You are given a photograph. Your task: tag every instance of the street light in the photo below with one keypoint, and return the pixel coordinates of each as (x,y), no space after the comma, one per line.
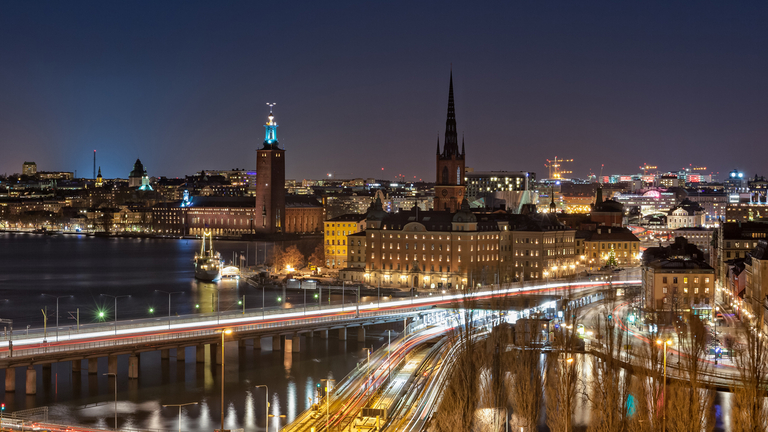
(223,332)
(169,306)
(114,297)
(664,413)
(266,406)
(327,400)
(57,311)
(114,375)
(180,405)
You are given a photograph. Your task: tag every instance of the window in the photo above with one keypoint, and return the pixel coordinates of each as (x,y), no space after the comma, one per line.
(674,280)
(685,280)
(664,290)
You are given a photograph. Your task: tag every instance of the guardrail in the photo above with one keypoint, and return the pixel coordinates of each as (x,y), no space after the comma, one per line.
(183,327)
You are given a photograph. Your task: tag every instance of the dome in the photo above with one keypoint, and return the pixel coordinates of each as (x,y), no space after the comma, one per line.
(376,211)
(464,214)
(138,169)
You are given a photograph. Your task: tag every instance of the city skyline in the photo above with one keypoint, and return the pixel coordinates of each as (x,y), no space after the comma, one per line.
(184,87)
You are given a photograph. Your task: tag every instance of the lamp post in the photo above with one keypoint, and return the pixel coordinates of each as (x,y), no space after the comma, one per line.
(114,375)
(169,308)
(266,406)
(223,332)
(57,311)
(180,405)
(327,400)
(664,412)
(114,297)
(389,351)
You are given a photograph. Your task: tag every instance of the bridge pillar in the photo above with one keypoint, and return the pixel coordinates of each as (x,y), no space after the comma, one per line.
(310,334)
(361,334)
(276,343)
(93,366)
(31,380)
(10,379)
(241,343)
(295,343)
(323,334)
(219,349)
(133,366)
(77,365)
(343,334)
(200,353)
(181,354)
(112,364)
(257,343)
(165,354)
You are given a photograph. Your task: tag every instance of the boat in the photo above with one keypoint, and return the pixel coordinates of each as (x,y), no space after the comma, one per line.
(208,262)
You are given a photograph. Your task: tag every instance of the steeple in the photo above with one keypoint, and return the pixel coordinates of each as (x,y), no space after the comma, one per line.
(270,137)
(451,142)
(438,143)
(462,144)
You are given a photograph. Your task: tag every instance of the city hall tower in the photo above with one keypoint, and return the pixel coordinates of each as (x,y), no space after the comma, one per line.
(269,214)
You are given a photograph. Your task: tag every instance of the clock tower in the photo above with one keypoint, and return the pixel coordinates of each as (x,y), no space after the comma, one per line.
(450,186)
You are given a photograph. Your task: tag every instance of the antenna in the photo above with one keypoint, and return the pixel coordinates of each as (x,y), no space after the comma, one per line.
(94,164)
(271,104)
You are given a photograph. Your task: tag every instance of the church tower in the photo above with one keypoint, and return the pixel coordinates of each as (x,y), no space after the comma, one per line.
(449,183)
(269,214)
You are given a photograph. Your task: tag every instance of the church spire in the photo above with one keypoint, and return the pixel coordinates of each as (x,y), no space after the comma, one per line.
(451,144)
(462,144)
(438,143)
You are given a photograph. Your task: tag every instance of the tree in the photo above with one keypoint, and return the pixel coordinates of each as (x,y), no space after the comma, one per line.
(562,376)
(317,258)
(612,262)
(285,258)
(749,412)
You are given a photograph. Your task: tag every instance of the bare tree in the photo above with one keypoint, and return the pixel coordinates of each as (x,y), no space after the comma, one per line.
(562,374)
(689,400)
(749,412)
(527,388)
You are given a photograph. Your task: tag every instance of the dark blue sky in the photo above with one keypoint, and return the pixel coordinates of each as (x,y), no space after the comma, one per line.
(362,85)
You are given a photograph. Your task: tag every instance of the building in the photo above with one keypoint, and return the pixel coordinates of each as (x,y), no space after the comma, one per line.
(609,212)
(223,216)
(735,240)
(483,183)
(736,183)
(687,214)
(671,180)
(536,247)
(270,182)
(651,201)
(99,180)
(431,249)
(746,212)
(676,279)
(449,182)
(303,214)
(756,285)
(136,176)
(606,242)
(336,234)
(29,169)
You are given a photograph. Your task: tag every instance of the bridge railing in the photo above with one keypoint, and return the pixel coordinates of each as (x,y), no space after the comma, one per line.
(191,334)
(231,318)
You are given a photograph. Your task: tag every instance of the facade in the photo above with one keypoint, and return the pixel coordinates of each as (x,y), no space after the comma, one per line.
(480,183)
(303,214)
(449,182)
(676,279)
(536,247)
(270,183)
(746,212)
(756,285)
(336,233)
(29,169)
(600,244)
(687,214)
(735,240)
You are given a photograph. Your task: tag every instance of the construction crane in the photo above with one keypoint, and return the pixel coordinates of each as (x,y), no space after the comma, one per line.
(647,168)
(554,168)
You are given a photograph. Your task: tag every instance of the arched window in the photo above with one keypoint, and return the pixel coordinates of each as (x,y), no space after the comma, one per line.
(445,176)
(458,175)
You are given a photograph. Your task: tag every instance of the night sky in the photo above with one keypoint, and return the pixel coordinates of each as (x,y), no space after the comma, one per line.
(362,85)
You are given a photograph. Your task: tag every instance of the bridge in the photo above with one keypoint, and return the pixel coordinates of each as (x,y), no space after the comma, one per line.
(282,327)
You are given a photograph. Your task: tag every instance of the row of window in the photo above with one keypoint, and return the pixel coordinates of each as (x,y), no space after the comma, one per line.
(685,290)
(685,280)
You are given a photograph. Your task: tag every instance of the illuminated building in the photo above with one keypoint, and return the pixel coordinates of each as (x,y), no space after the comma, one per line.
(676,279)
(303,214)
(270,182)
(29,168)
(605,241)
(746,212)
(735,183)
(735,240)
(450,183)
(335,237)
(487,182)
(99,180)
(687,214)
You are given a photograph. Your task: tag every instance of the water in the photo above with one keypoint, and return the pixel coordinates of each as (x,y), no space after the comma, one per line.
(85,267)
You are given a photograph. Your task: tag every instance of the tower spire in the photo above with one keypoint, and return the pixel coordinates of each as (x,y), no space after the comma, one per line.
(438,143)
(462,144)
(451,144)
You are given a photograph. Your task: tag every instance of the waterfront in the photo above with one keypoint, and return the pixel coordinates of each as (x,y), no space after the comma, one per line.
(86,267)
